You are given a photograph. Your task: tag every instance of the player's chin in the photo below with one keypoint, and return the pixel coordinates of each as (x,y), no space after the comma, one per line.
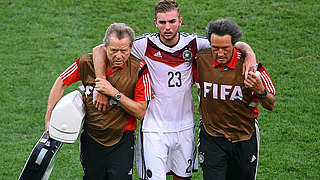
(221,61)
(117,64)
(166,35)
(169,37)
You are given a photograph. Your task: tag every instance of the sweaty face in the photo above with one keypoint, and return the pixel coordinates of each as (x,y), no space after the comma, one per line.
(118,51)
(168,24)
(222,48)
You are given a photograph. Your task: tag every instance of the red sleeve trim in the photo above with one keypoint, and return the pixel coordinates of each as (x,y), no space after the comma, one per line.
(266,80)
(71,74)
(143,91)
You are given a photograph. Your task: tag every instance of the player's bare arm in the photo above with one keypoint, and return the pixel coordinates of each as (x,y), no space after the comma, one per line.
(134,108)
(99,60)
(54,96)
(250,60)
(254,82)
(269,101)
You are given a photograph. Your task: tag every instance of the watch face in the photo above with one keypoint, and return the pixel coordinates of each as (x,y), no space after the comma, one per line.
(117,96)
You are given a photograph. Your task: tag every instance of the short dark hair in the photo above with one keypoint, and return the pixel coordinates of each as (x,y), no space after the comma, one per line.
(223,27)
(163,6)
(121,31)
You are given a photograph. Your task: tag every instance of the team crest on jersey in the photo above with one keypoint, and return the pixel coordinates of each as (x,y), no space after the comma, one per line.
(187,55)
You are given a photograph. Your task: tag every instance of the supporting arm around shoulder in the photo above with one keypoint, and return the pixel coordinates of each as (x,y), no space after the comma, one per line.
(99,61)
(54,96)
(249,63)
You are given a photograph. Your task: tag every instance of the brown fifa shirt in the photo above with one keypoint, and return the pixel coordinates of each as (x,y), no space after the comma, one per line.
(107,127)
(224,100)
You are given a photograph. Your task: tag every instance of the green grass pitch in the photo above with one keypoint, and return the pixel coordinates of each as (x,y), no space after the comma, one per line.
(39,39)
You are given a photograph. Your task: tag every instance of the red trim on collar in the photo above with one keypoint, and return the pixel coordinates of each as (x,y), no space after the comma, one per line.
(111,71)
(234,59)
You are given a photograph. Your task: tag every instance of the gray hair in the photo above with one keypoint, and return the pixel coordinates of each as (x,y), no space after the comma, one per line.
(223,27)
(121,31)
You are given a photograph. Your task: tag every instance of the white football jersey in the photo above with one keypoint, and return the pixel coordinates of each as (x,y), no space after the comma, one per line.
(171,109)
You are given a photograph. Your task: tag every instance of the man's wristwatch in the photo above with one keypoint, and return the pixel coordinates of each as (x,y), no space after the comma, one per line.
(263,94)
(117,96)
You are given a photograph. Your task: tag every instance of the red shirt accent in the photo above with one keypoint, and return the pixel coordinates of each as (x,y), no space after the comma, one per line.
(111,71)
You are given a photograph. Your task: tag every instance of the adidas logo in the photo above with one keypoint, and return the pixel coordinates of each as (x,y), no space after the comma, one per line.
(158,54)
(253,158)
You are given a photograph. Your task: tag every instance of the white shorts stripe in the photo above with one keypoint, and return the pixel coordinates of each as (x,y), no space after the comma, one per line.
(258,144)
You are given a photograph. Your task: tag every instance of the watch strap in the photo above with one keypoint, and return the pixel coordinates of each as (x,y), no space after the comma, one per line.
(263,94)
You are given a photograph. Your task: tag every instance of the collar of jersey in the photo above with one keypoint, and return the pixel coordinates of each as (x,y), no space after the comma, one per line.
(173,44)
(113,70)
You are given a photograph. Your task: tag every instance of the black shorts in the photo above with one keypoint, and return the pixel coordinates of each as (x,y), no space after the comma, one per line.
(107,162)
(221,159)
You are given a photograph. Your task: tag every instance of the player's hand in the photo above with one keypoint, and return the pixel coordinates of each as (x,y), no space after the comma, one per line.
(249,64)
(253,81)
(101,101)
(103,86)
